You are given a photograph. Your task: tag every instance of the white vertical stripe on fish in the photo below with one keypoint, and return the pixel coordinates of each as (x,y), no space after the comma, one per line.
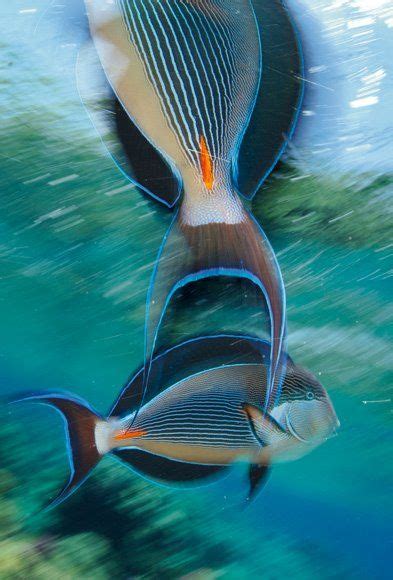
(160,67)
(157,81)
(137,42)
(165,75)
(219,71)
(189,54)
(198,77)
(169,44)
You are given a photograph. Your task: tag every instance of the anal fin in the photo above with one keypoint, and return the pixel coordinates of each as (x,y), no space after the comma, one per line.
(168,471)
(258,476)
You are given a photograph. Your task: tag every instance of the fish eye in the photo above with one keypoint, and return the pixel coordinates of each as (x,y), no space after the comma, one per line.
(309,395)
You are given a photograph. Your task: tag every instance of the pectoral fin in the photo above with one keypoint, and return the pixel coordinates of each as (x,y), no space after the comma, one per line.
(265,429)
(258,476)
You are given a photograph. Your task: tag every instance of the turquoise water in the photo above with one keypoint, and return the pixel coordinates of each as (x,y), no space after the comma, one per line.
(77,245)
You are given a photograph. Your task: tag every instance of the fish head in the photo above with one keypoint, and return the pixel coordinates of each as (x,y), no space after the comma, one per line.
(305,409)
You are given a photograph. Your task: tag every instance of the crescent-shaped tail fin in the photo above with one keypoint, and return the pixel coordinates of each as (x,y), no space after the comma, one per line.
(80,423)
(239,250)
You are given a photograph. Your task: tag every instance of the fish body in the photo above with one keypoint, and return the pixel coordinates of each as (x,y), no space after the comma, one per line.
(188,74)
(211,418)
(201,423)
(198,420)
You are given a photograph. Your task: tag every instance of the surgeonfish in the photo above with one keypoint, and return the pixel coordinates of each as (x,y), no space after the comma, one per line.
(209,91)
(203,422)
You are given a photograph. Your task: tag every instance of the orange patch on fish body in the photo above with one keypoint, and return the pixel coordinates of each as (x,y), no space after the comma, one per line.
(206,164)
(132,434)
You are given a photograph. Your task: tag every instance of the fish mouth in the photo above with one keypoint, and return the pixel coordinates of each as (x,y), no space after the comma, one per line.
(336,426)
(334,423)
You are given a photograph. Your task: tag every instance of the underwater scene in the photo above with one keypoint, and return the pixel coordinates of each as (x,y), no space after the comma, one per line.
(187,435)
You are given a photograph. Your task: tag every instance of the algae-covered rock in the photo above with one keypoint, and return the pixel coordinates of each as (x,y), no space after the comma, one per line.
(119,526)
(17,558)
(83,555)
(337,209)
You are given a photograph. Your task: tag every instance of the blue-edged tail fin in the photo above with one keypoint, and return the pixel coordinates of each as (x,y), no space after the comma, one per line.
(80,425)
(240,250)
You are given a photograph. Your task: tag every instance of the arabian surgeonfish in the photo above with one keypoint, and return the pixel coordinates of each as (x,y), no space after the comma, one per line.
(207,94)
(202,421)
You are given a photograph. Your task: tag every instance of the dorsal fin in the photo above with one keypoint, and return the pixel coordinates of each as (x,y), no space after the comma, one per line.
(132,152)
(192,356)
(279,100)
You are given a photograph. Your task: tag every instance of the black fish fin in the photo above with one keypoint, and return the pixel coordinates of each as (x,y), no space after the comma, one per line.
(258,476)
(279,100)
(80,422)
(240,250)
(168,471)
(189,357)
(131,151)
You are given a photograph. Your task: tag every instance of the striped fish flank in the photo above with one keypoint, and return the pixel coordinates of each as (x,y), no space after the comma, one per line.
(187,72)
(202,418)
(200,424)
(195,57)
(204,410)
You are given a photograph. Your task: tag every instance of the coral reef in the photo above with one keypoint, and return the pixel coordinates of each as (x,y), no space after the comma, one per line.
(120,526)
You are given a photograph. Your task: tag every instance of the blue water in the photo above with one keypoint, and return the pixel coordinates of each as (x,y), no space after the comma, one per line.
(77,247)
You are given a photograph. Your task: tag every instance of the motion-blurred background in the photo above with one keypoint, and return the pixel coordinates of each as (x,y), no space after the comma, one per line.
(77,245)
